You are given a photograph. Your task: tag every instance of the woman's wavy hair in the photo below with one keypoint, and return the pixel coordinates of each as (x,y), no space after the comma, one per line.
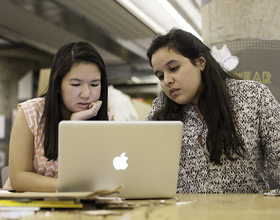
(67,56)
(214,103)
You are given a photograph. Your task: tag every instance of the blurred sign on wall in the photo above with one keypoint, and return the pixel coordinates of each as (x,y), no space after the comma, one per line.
(2,126)
(257,60)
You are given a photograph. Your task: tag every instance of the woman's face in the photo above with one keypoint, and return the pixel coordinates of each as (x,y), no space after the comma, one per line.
(80,87)
(180,80)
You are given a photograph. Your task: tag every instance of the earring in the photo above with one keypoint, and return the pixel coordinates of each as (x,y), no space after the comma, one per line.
(202,68)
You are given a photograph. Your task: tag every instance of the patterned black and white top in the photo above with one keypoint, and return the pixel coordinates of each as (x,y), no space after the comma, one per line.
(257,114)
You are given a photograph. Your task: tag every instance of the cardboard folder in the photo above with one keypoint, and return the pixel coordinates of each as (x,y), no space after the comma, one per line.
(59,195)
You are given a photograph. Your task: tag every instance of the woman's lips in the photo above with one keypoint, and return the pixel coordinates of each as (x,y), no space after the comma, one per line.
(84,105)
(173,91)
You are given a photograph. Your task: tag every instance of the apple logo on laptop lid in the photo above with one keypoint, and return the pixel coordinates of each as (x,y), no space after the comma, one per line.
(119,162)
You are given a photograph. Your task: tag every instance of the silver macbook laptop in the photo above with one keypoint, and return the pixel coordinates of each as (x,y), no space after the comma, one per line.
(143,156)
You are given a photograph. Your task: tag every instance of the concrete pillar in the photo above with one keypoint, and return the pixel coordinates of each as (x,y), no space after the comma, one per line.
(11,70)
(227,20)
(245,36)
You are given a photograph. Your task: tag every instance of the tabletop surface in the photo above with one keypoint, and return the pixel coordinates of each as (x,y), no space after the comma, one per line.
(201,206)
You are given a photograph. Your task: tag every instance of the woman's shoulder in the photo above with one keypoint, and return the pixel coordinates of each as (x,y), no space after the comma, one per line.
(157,102)
(36,102)
(33,110)
(236,86)
(156,106)
(33,106)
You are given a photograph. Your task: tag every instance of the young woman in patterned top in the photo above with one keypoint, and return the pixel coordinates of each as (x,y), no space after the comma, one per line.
(77,90)
(231,138)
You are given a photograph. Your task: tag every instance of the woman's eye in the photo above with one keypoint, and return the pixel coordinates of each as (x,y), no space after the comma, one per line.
(94,85)
(160,76)
(75,84)
(174,68)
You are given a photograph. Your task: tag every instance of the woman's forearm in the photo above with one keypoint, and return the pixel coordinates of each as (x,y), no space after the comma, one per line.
(32,182)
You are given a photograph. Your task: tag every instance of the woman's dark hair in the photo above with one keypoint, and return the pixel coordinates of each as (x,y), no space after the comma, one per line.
(214,102)
(70,54)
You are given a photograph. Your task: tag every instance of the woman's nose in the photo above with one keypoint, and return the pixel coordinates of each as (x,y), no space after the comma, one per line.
(168,79)
(85,93)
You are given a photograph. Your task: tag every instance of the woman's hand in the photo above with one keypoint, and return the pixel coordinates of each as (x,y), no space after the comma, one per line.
(92,111)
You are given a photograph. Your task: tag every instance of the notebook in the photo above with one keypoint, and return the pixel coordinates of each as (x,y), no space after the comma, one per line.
(143,156)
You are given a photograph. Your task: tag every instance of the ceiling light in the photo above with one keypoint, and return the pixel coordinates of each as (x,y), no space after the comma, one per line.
(180,20)
(141,15)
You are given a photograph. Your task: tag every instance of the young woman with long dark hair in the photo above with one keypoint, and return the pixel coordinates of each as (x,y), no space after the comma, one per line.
(231,137)
(77,90)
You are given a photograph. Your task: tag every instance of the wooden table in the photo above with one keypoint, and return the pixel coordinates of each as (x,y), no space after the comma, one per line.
(207,206)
